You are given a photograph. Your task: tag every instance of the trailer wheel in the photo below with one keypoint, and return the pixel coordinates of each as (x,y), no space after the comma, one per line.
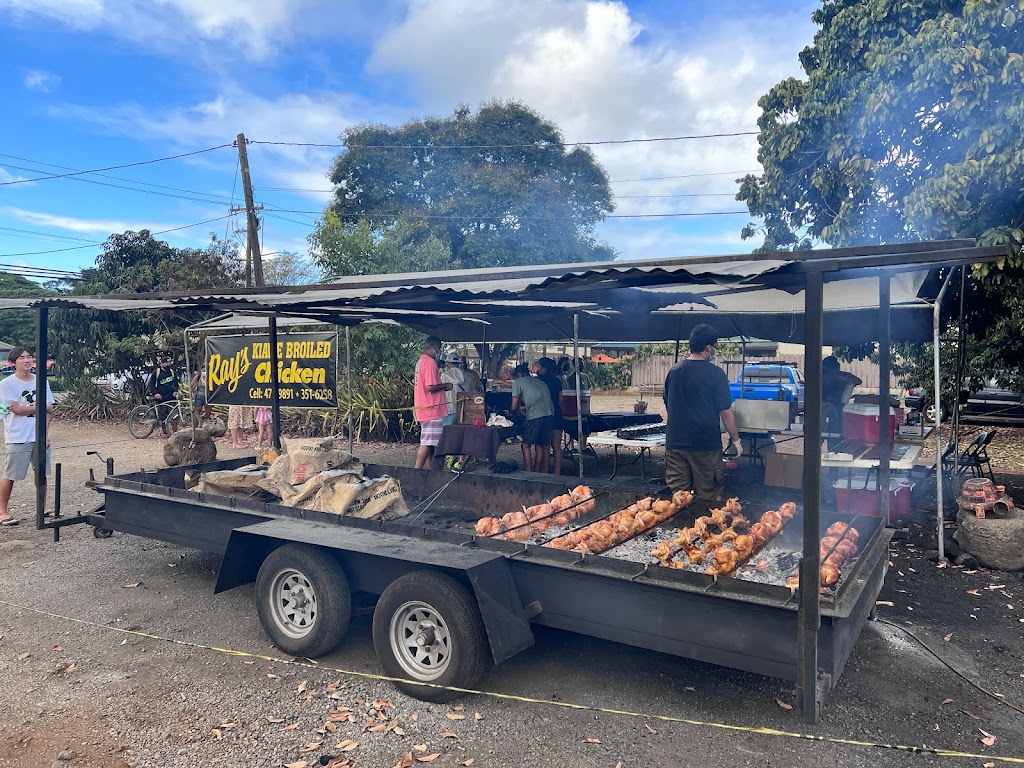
(426,627)
(137,421)
(303,600)
(102,533)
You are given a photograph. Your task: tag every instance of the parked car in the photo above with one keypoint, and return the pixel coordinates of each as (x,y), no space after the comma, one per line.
(991,405)
(770,381)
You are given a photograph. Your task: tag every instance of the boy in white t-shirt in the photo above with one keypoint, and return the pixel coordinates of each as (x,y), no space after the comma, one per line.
(18,406)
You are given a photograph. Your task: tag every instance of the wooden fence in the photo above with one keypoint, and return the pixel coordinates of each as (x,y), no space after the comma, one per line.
(649,374)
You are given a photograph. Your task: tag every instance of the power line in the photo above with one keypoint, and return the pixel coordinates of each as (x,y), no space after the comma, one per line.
(532,145)
(43,235)
(101,242)
(114,167)
(685,176)
(518,217)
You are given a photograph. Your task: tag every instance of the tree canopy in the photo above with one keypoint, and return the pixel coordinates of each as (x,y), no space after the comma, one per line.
(908,125)
(18,326)
(87,342)
(494,188)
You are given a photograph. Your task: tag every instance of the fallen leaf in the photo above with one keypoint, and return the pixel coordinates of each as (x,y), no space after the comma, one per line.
(70,667)
(377,728)
(57,648)
(428,758)
(974,571)
(182,696)
(987,738)
(405,762)
(691,688)
(302,686)
(988,765)
(272,676)
(477,716)
(272,719)
(885,602)
(970,714)
(291,727)
(347,745)
(399,731)
(996,586)
(313,746)
(415,716)
(618,764)
(949,701)
(973,592)
(783,704)
(228,726)
(941,564)
(382,704)
(591,741)
(331,727)
(469,762)
(218,733)
(420,747)
(948,637)
(297,764)
(448,735)
(649,728)
(132,585)
(452,716)
(458,707)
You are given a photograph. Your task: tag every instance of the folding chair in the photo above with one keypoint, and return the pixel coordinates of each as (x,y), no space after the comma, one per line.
(969,460)
(983,461)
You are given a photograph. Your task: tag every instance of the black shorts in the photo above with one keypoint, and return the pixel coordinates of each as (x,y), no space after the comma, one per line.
(537,431)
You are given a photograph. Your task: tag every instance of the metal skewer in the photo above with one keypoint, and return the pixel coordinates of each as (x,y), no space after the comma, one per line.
(545,517)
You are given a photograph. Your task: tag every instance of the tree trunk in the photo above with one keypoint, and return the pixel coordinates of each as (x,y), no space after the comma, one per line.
(493,356)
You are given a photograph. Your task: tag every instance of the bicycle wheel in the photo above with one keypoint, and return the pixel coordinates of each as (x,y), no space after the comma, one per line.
(142,421)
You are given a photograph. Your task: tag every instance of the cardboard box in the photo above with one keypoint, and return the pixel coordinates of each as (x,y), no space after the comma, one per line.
(470,408)
(784,470)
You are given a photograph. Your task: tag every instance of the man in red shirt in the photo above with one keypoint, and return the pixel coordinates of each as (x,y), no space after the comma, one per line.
(429,401)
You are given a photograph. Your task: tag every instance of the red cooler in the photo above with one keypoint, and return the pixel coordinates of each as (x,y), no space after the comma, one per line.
(860,422)
(856,494)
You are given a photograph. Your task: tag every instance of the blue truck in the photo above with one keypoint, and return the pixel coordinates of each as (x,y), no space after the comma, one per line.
(774,380)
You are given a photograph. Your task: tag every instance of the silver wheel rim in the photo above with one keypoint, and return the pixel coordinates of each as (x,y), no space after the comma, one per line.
(293,603)
(421,641)
(929,413)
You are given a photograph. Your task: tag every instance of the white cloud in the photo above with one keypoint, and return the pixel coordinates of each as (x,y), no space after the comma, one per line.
(40,80)
(589,66)
(6,176)
(255,28)
(99,227)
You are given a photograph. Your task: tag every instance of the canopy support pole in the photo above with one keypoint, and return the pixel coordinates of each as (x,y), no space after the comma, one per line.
(936,331)
(579,375)
(42,355)
(275,393)
(810,609)
(348,382)
(191,397)
(884,396)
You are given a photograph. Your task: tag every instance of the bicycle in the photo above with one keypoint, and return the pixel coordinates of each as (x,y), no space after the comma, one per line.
(143,419)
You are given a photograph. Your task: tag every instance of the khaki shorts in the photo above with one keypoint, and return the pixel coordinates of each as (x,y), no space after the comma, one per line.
(19,457)
(699,471)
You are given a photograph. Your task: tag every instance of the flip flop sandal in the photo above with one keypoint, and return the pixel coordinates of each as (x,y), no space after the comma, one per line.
(9,521)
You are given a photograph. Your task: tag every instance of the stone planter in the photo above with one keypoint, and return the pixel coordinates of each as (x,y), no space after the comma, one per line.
(994,542)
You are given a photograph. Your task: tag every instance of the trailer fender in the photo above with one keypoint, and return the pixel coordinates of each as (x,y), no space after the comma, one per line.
(372,559)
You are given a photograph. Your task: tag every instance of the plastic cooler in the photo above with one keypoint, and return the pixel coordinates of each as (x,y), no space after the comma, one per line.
(860,422)
(856,494)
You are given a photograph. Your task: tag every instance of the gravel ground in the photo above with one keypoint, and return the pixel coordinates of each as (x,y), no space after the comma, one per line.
(84,694)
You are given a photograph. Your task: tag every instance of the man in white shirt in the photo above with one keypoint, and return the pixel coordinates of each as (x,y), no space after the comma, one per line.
(454,375)
(18,406)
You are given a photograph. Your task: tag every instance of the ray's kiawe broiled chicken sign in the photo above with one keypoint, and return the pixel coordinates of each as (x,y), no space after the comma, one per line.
(238,370)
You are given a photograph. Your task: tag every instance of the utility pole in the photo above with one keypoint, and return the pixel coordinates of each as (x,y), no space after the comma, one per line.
(253,258)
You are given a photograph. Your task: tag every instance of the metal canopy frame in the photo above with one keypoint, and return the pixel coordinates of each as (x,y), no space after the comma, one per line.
(808,271)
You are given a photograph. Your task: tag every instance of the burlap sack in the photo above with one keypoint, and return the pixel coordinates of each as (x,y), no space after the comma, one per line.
(376,499)
(311,487)
(280,475)
(242,483)
(310,456)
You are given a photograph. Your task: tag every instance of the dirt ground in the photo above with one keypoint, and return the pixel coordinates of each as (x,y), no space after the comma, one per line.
(107,649)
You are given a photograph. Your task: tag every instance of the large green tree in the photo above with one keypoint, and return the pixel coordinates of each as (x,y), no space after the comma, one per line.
(18,326)
(495,188)
(86,342)
(908,125)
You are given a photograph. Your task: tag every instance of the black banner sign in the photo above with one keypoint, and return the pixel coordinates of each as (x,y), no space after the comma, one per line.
(238,370)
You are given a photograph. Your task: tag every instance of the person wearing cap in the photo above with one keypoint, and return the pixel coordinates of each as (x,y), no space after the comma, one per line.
(533,395)
(836,385)
(697,400)
(163,385)
(18,406)
(430,405)
(454,375)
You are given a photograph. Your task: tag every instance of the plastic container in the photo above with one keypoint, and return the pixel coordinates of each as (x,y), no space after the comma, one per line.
(860,422)
(856,495)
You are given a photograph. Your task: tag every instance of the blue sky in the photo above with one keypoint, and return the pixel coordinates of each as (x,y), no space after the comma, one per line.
(97,83)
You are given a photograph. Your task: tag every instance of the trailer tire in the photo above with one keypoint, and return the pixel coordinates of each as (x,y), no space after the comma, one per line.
(303,600)
(427,627)
(137,422)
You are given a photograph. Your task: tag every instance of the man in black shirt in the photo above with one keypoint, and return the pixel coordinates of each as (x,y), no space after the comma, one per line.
(163,386)
(696,399)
